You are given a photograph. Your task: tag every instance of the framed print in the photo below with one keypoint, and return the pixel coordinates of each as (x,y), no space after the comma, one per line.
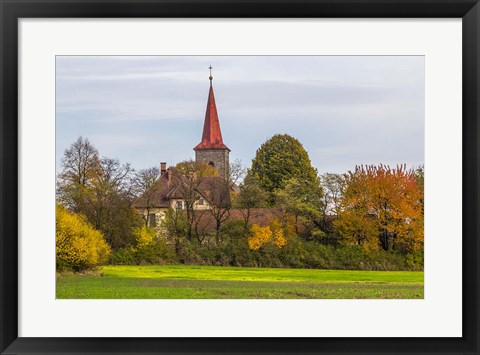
(203,177)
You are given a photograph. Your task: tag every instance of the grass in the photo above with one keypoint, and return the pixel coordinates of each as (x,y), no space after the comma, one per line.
(184,281)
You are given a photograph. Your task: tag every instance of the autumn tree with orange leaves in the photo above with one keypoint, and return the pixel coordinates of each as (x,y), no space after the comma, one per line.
(382,208)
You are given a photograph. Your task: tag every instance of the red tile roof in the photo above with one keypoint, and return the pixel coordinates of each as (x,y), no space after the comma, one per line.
(212,135)
(213,188)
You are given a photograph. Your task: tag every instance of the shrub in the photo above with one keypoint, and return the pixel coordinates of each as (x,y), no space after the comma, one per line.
(415,259)
(123,256)
(78,245)
(279,247)
(192,253)
(261,236)
(148,249)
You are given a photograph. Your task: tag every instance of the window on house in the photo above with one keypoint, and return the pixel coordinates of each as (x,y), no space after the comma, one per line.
(201,201)
(179,205)
(152,221)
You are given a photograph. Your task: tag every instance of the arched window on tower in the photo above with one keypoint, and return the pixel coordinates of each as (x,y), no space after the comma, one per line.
(212,164)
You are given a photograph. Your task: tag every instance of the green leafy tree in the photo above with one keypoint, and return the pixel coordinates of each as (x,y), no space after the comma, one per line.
(302,199)
(251,196)
(279,159)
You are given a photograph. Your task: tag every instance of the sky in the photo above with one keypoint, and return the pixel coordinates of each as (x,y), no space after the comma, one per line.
(345,110)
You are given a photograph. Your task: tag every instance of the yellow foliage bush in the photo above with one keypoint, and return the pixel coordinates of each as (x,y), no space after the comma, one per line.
(278,235)
(260,237)
(263,235)
(144,236)
(148,249)
(78,245)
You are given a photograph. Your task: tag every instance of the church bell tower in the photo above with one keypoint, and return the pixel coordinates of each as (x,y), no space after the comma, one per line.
(211,149)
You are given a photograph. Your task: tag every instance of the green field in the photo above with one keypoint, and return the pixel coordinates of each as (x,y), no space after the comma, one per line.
(183,281)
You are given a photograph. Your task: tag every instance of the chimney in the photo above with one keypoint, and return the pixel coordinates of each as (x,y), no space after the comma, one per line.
(163,168)
(170,174)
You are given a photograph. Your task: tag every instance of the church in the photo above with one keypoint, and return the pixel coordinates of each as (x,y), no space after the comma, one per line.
(211,149)
(171,188)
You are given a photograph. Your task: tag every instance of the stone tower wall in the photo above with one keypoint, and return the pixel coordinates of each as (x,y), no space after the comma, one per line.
(219,157)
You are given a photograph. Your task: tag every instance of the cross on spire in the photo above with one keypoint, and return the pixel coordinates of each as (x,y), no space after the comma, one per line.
(210,77)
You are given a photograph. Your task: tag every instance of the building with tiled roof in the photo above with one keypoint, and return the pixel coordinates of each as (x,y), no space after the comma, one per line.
(211,149)
(172,190)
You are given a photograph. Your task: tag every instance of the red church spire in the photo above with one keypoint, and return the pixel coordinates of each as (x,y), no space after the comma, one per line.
(212,135)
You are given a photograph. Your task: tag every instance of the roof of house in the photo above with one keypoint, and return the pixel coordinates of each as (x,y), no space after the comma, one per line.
(212,135)
(157,195)
(214,189)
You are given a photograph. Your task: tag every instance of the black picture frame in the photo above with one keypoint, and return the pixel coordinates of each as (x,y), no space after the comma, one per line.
(12,10)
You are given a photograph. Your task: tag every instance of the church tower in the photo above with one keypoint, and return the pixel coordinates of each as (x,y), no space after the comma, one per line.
(211,149)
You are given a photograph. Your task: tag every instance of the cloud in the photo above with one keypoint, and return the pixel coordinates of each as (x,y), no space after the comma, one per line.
(345,110)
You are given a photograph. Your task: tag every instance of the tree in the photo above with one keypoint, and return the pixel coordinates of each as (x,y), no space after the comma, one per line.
(80,162)
(144,181)
(176,226)
(110,208)
(236,172)
(101,189)
(80,167)
(420,175)
(217,193)
(251,196)
(189,175)
(220,193)
(303,199)
(279,159)
(332,185)
(116,177)
(382,208)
